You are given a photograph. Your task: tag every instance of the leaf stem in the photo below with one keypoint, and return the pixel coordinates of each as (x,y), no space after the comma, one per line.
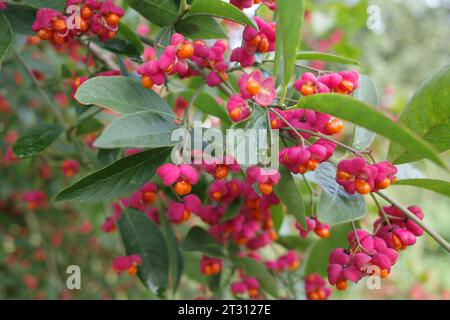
(289,125)
(380,208)
(439,239)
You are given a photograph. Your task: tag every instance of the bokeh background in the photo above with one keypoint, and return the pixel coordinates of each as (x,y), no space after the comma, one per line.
(410,44)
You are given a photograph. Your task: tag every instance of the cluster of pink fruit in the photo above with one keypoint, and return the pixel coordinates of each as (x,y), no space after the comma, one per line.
(102,18)
(356,175)
(375,254)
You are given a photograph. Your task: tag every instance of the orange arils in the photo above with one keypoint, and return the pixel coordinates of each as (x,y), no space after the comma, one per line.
(86,12)
(334,126)
(59,25)
(322,232)
(312,164)
(221,171)
(149,197)
(45,34)
(112,19)
(185,51)
(341,285)
(265,188)
(362,187)
(342,175)
(182,188)
(307,90)
(147,82)
(252,87)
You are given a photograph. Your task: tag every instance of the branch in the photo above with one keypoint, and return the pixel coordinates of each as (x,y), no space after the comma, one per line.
(106,57)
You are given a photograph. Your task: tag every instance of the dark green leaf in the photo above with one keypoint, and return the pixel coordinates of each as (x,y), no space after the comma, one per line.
(277,216)
(326,57)
(365,116)
(176,262)
(428,116)
(192,266)
(52,4)
(141,236)
(294,242)
(160,12)
(335,205)
(20,18)
(316,257)
(232,210)
(208,105)
(439,186)
(137,130)
(122,95)
(108,156)
(131,37)
(65,71)
(162,39)
(253,268)
(220,9)
(88,126)
(6,37)
(118,179)
(119,46)
(36,140)
(290,15)
(200,27)
(198,239)
(290,196)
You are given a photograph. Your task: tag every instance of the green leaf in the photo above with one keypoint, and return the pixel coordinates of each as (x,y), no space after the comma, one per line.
(290,196)
(361,114)
(137,130)
(277,212)
(198,239)
(141,236)
(52,4)
(192,266)
(122,95)
(294,242)
(290,15)
(118,179)
(6,37)
(176,261)
(253,268)
(326,57)
(162,39)
(220,9)
(160,12)
(65,71)
(131,37)
(367,92)
(317,254)
(88,126)
(232,210)
(427,115)
(108,156)
(335,205)
(439,186)
(119,46)
(200,27)
(208,105)
(36,140)
(20,18)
